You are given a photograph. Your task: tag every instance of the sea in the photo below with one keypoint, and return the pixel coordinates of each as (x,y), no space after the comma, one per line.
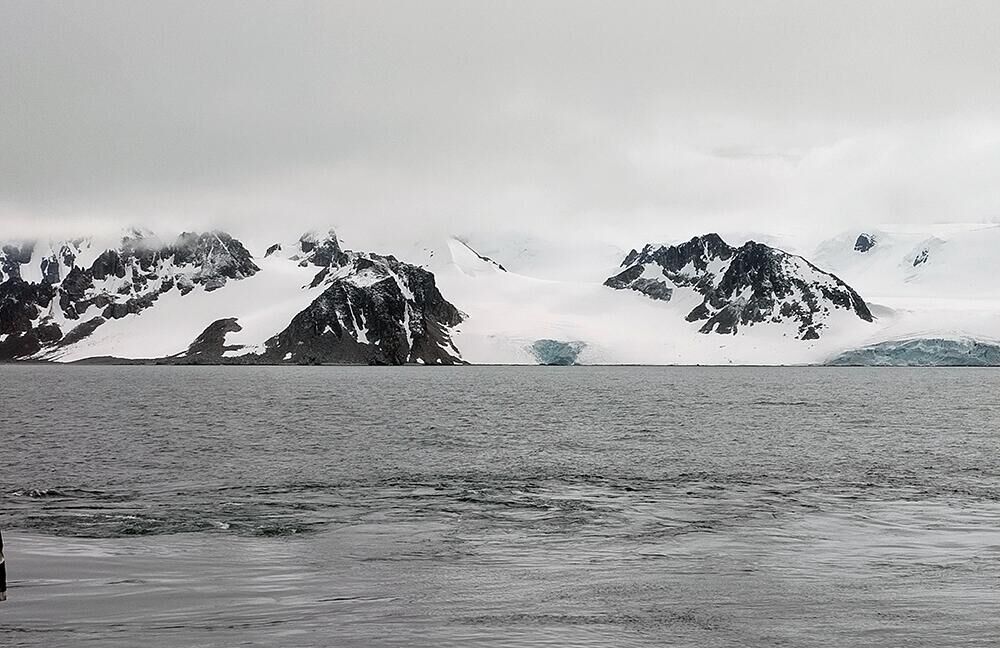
(500,506)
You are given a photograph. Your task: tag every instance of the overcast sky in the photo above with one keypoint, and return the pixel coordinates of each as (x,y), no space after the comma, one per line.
(641,117)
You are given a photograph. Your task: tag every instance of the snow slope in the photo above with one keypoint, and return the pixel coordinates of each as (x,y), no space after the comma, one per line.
(507,312)
(926,282)
(263,304)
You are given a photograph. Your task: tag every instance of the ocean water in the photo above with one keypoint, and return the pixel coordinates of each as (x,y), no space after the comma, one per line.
(500,506)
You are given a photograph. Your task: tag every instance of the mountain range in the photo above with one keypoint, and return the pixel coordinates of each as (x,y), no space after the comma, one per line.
(872,297)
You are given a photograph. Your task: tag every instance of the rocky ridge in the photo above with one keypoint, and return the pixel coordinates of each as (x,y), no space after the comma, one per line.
(373,309)
(753,284)
(57,293)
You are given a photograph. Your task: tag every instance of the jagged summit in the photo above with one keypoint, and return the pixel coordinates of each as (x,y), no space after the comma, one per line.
(318,250)
(318,302)
(744,286)
(371,309)
(57,292)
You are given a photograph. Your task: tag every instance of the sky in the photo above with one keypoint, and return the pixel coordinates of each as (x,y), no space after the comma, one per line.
(618,120)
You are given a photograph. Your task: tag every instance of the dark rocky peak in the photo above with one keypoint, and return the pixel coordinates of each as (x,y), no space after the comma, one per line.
(752,284)
(217,253)
(70,292)
(209,258)
(12,256)
(143,246)
(372,316)
(274,249)
(372,309)
(108,264)
(658,269)
(865,242)
(689,258)
(322,251)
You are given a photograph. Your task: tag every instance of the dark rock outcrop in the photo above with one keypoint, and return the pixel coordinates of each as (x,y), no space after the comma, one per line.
(211,344)
(322,252)
(865,242)
(81,331)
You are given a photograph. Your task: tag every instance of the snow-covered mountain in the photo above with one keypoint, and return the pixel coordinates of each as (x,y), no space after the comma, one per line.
(372,309)
(55,294)
(204,298)
(753,284)
(889,294)
(514,317)
(928,285)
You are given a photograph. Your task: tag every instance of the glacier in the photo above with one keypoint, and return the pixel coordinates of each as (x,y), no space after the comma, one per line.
(557,353)
(923,352)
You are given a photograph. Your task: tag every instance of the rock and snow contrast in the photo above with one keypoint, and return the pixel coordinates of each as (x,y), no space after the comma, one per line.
(370,309)
(740,287)
(54,295)
(933,289)
(881,296)
(204,298)
(775,308)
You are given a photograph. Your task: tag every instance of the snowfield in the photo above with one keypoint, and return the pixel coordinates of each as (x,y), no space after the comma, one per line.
(507,312)
(930,282)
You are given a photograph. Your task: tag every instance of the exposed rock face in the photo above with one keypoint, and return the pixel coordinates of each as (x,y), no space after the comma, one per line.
(635,279)
(865,242)
(21,307)
(374,309)
(211,344)
(49,288)
(752,284)
(319,251)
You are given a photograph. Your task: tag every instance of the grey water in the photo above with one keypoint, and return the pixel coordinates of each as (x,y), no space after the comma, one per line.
(500,506)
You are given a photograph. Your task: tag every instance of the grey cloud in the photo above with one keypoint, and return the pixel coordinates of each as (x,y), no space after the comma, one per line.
(653,114)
